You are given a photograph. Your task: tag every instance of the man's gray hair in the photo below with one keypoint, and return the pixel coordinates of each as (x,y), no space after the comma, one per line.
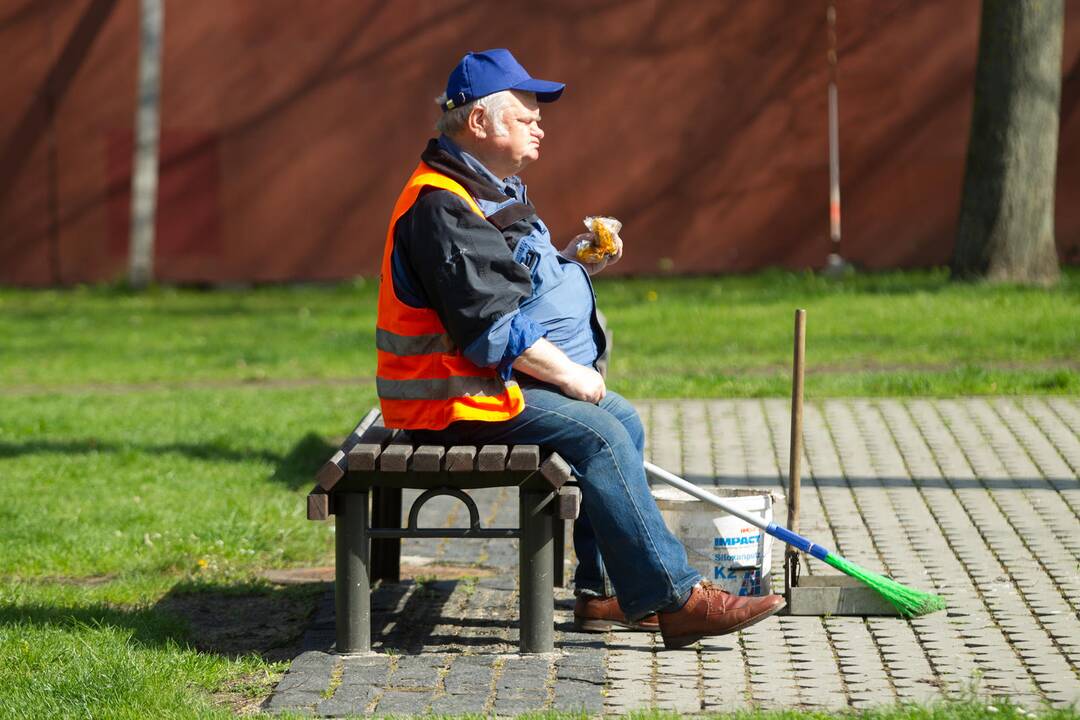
(453,121)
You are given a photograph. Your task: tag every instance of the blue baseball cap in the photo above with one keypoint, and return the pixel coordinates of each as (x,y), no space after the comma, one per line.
(483,73)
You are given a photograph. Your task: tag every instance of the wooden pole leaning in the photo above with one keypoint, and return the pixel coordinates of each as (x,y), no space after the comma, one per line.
(791,555)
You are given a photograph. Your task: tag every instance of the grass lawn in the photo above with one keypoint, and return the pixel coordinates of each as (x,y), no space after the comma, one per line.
(135,525)
(155,449)
(888,334)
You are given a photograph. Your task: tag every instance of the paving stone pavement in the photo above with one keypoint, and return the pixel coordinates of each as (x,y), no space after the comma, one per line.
(975,499)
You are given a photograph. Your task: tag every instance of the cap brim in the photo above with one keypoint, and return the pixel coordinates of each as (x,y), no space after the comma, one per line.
(545,90)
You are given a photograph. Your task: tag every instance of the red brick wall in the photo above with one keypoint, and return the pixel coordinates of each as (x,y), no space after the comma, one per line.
(288,128)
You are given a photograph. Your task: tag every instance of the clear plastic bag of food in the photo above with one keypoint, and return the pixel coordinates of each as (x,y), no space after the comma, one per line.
(602,244)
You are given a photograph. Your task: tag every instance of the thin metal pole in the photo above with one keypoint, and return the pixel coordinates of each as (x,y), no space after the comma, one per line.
(794,489)
(834,263)
(144,170)
(834,167)
(794,462)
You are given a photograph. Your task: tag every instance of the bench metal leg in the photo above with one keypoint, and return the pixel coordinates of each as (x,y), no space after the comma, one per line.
(352,585)
(537,602)
(558,530)
(386,552)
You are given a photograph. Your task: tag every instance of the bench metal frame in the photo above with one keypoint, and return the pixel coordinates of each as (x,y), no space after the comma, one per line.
(371,468)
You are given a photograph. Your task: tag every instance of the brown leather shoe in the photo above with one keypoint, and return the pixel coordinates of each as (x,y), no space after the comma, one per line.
(712,611)
(599,614)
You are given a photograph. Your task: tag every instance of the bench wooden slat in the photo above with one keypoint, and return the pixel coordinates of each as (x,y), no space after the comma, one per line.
(555,470)
(363,456)
(524,457)
(318,504)
(461,458)
(428,458)
(364,453)
(492,458)
(395,458)
(334,468)
(569,506)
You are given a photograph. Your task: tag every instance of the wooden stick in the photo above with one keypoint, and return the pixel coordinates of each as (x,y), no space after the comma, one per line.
(794,478)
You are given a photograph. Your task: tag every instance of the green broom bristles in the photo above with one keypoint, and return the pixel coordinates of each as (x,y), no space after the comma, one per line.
(910,602)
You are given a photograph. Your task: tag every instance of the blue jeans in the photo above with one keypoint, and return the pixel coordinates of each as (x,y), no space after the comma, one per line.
(620,533)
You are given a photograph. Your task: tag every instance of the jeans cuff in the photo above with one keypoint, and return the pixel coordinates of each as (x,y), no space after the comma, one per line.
(647,606)
(678,604)
(595,588)
(587,592)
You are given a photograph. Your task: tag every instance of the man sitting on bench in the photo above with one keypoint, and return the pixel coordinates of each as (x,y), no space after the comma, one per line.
(488,334)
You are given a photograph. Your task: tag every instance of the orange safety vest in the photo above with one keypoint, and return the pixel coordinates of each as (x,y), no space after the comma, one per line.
(423,381)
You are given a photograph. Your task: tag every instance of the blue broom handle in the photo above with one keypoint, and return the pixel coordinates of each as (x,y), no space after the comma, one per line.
(777,531)
(796,540)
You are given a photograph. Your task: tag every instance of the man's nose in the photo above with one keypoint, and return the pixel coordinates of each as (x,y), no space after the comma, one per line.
(538,132)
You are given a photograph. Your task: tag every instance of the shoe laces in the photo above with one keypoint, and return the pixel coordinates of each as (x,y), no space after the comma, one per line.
(710,585)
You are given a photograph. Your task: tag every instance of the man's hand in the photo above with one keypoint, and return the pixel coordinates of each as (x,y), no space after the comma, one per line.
(544,361)
(570,253)
(584,383)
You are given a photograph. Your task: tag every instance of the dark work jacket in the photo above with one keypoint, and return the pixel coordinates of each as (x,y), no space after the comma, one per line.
(473,271)
(458,263)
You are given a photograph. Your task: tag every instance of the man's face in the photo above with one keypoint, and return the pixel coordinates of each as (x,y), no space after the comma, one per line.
(520,144)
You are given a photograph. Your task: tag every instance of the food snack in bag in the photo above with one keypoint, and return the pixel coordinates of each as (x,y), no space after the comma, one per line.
(604,230)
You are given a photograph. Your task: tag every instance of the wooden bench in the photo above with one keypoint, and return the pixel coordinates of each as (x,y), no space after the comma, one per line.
(361,484)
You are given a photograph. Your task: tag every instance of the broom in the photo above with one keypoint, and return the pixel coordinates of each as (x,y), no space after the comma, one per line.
(908,601)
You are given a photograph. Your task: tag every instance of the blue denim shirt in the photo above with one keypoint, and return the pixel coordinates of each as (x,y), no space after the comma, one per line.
(562,302)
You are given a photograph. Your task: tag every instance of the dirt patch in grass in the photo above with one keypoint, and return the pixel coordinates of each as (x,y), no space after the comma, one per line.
(83,581)
(270,621)
(120,388)
(409,571)
(267,623)
(246,695)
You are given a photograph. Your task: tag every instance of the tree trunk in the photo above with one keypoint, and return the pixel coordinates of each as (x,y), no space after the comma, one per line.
(144,170)
(1006,230)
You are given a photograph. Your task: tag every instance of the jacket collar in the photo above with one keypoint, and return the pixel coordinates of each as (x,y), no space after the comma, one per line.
(481,188)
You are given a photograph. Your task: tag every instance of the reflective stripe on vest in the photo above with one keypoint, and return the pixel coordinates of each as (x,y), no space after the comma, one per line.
(423,381)
(440,389)
(412,344)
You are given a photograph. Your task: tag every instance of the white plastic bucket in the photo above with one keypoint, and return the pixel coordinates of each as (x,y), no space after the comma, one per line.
(731,553)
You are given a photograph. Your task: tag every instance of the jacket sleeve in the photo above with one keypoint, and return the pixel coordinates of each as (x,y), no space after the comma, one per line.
(462,263)
(505,340)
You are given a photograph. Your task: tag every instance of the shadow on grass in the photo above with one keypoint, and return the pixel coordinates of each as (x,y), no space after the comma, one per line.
(299,465)
(197,451)
(293,469)
(228,620)
(274,622)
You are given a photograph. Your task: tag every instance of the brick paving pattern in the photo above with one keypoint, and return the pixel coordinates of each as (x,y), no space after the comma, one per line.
(975,499)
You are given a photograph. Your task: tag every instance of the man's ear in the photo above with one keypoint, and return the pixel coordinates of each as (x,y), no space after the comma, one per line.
(476,122)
